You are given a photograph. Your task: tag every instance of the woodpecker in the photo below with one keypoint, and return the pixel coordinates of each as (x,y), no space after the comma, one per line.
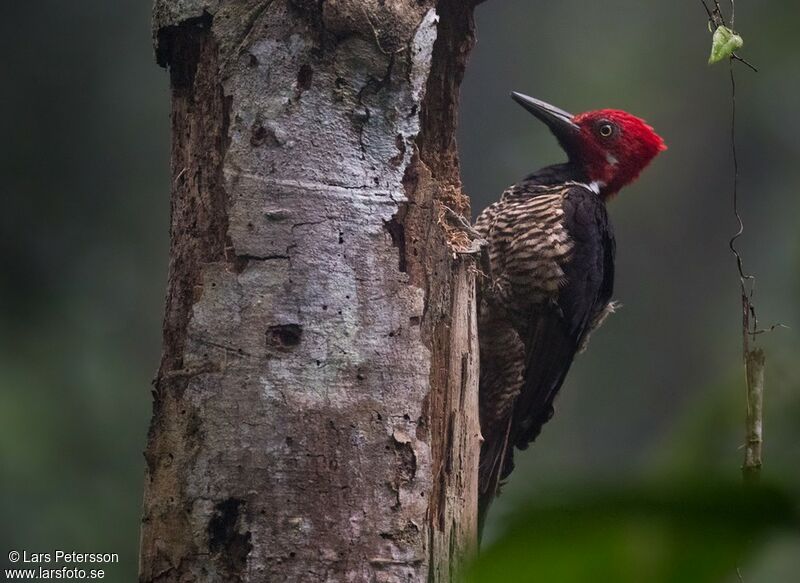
(551,275)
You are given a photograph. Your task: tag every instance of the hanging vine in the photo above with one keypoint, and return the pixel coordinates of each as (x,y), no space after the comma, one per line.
(725,42)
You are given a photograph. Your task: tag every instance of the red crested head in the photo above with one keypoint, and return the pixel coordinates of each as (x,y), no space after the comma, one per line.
(609,147)
(615,147)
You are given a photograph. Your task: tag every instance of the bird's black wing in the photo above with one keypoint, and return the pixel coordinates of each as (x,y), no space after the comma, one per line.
(555,329)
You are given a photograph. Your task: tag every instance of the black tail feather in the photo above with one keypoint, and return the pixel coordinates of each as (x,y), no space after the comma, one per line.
(496,463)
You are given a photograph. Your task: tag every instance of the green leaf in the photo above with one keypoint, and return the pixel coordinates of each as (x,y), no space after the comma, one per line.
(692,533)
(724,43)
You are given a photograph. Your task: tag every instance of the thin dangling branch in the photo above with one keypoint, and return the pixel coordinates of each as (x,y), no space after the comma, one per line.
(753,357)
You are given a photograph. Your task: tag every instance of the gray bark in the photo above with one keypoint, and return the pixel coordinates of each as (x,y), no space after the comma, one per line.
(754,363)
(315,411)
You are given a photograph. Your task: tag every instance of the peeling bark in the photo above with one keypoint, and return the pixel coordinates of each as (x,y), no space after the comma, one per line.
(315,411)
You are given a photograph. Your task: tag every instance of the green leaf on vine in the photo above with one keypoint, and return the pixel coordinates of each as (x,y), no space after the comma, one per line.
(724,43)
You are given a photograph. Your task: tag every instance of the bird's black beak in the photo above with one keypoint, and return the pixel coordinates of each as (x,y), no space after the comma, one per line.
(559,121)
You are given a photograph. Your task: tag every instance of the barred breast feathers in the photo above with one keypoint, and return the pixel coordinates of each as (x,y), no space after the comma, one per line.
(528,243)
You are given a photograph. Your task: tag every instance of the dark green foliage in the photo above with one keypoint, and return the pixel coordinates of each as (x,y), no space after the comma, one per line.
(690,533)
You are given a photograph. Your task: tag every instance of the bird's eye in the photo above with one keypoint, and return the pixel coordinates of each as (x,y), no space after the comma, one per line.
(606,130)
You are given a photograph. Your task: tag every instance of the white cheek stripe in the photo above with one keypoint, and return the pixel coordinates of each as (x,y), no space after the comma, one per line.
(595,186)
(611,160)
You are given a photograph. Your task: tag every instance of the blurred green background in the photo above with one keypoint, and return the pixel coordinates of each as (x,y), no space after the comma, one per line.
(658,398)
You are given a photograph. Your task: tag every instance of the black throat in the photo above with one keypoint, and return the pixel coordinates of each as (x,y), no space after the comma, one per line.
(558,174)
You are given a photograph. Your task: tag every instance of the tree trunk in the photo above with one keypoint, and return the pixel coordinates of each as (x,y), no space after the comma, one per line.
(315,412)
